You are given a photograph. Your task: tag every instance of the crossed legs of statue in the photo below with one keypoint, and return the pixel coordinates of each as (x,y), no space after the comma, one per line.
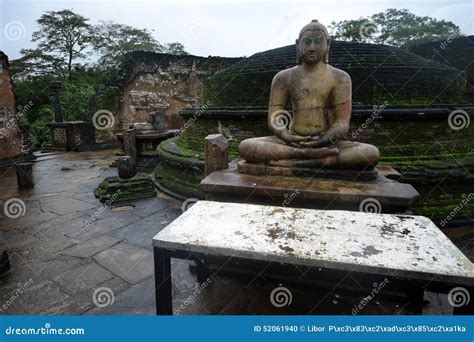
(342,154)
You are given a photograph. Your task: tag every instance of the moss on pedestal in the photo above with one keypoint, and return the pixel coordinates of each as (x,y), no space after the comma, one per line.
(116,189)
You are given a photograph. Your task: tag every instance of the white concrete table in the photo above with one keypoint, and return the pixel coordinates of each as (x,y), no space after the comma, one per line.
(406,248)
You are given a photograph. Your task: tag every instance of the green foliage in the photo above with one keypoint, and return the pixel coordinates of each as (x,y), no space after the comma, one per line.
(76,101)
(395,27)
(175,49)
(63,37)
(113,40)
(39,131)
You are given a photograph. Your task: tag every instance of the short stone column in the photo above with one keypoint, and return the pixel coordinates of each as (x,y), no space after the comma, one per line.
(217,155)
(24,175)
(130,144)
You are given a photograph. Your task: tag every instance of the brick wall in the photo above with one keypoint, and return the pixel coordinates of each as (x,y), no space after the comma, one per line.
(455,52)
(166,83)
(10,143)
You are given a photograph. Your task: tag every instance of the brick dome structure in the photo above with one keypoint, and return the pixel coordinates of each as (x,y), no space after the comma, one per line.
(379,73)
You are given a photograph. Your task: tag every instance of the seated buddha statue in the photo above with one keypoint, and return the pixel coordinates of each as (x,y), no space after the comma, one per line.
(321,99)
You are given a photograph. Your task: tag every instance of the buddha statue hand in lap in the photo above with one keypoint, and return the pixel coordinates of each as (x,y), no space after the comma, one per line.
(321,99)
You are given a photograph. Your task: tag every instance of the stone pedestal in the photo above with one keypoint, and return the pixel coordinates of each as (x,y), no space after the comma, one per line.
(145,147)
(71,136)
(379,195)
(24,175)
(130,145)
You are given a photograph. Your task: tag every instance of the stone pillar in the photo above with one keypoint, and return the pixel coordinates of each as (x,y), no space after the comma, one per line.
(55,89)
(130,145)
(24,175)
(217,155)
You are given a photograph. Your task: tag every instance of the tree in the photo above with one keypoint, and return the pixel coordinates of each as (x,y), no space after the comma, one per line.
(175,49)
(394,27)
(63,36)
(34,63)
(113,40)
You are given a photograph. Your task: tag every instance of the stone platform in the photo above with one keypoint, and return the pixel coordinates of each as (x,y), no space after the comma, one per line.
(263,169)
(381,195)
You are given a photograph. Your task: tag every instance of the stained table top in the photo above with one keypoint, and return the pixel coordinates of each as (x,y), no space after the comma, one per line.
(385,244)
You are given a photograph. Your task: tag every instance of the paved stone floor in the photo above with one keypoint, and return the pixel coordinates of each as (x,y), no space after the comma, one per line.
(64,262)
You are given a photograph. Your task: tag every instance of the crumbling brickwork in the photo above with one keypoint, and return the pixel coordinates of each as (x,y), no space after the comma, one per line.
(166,83)
(10,142)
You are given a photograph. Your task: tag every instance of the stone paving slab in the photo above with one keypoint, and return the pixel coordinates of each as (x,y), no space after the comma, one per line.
(137,300)
(140,233)
(82,278)
(131,263)
(66,205)
(91,247)
(42,296)
(100,227)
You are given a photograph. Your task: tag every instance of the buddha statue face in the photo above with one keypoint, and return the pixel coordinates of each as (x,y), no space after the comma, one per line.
(312,46)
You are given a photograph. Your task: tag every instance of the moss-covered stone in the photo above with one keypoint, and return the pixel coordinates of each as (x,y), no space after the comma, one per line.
(116,189)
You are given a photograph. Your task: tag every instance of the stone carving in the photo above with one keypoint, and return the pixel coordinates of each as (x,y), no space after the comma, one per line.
(146,100)
(321,97)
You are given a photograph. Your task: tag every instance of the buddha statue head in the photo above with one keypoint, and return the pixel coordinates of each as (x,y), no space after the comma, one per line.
(312,45)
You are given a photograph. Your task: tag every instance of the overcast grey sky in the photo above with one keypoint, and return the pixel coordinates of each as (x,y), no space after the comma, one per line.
(223,28)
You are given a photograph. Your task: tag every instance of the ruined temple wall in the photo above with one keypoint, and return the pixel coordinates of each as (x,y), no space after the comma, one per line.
(10,142)
(166,83)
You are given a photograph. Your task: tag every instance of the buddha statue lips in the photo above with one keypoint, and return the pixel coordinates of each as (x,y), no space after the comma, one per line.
(321,99)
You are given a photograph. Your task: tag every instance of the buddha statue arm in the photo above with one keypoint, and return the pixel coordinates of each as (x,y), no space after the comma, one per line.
(340,110)
(278,118)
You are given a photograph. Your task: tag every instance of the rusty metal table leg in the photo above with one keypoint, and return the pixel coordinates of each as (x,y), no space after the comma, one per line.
(163,293)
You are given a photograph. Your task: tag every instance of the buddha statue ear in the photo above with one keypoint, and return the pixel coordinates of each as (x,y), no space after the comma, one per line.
(298,56)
